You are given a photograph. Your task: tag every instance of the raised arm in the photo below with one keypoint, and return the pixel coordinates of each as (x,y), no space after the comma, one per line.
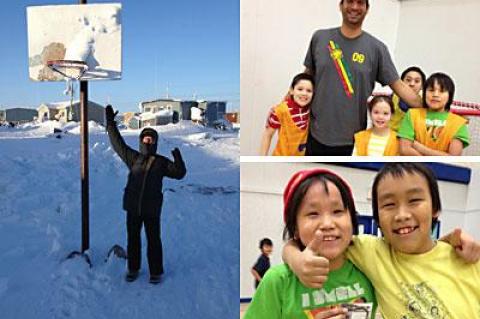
(126,153)
(176,169)
(406,93)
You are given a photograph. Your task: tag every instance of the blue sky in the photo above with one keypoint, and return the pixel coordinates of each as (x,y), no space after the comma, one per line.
(191,47)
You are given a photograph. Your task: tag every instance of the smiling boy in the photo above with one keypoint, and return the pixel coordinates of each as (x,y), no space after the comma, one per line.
(414,276)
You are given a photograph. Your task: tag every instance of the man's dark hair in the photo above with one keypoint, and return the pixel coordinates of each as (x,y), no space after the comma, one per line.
(414,69)
(297,198)
(265,242)
(368,4)
(381,98)
(446,84)
(302,76)
(399,170)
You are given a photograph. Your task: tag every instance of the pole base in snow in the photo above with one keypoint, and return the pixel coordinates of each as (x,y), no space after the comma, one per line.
(85,256)
(118,251)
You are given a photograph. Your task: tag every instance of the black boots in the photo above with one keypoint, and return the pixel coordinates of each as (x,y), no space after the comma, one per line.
(131,276)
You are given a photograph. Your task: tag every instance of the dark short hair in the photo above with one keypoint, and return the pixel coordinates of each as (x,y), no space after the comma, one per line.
(302,76)
(414,69)
(297,198)
(399,170)
(368,5)
(265,242)
(381,98)
(446,84)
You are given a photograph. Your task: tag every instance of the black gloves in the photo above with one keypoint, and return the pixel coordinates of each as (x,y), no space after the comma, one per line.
(176,153)
(109,114)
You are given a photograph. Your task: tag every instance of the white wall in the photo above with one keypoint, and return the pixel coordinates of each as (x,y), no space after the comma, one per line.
(442,35)
(261,207)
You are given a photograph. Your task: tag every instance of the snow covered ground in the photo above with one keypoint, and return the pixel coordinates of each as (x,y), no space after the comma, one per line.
(40,218)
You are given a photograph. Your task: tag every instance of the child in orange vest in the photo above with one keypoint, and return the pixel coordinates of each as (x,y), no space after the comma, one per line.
(433,130)
(290,118)
(379,140)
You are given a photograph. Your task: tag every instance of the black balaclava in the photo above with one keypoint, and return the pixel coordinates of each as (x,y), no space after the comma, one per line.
(148,149)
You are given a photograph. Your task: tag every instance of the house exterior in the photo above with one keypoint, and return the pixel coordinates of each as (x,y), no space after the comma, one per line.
(164,111)
(162,106)
(61,111)
(17,115)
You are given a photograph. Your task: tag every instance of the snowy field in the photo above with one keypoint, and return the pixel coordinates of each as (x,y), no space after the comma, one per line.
(40,224)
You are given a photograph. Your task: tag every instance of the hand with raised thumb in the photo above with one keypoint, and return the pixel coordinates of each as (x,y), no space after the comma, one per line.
(465,245)
(310,268)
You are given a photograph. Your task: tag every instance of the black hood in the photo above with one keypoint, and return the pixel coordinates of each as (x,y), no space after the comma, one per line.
(148,149)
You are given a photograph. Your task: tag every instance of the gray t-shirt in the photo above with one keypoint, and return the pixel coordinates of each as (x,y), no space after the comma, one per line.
(345,72)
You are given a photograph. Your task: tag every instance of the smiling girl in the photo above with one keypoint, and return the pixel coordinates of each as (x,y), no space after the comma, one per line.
(319,215)
(379,140)
(290,118)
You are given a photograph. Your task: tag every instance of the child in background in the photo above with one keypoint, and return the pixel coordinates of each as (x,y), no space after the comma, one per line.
(290,118)
(413,275)
(415,79)
(319,215)
(433,130)
(379,140)
(263,262)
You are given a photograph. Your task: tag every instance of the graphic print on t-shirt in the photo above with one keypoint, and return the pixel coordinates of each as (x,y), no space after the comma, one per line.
(342,67)
(434,128)
(357,309)
(422,302)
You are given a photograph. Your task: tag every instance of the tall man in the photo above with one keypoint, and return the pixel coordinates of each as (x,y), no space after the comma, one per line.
(143,195)
(346,62)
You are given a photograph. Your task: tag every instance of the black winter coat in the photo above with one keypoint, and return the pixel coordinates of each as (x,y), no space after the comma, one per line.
(143,194)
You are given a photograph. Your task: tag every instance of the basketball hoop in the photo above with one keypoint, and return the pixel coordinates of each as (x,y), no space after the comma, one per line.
(68,68)
(71,70)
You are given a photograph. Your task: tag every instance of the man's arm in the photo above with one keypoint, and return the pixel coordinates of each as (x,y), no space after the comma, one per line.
(406,93)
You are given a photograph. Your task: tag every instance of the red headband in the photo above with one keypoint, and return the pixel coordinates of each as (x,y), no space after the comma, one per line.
(298,178)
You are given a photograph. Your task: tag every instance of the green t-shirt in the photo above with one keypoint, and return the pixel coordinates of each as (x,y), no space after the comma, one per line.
(281,295)
(433,121)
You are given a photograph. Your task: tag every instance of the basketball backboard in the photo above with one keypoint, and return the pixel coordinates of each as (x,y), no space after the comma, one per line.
(90,33)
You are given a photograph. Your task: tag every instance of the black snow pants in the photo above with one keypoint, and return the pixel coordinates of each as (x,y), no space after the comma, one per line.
(151,220)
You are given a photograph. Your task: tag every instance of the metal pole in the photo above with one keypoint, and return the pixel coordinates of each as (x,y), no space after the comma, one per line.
(84,159)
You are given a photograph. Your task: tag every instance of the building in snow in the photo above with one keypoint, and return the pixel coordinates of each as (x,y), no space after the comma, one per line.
(17,115)
(164,111)
(61,111)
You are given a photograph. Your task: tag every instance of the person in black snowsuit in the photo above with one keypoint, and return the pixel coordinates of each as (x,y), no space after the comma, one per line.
(143,195)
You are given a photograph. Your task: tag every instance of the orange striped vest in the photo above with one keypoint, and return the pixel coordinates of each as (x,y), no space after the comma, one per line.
(452,125)
(291,139)
(363,137)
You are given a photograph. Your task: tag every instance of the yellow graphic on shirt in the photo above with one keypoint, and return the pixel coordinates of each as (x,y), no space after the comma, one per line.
(422,302)
(358,57)
(434,131)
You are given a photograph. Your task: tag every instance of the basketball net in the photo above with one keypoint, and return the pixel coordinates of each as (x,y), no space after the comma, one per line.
(71,71)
